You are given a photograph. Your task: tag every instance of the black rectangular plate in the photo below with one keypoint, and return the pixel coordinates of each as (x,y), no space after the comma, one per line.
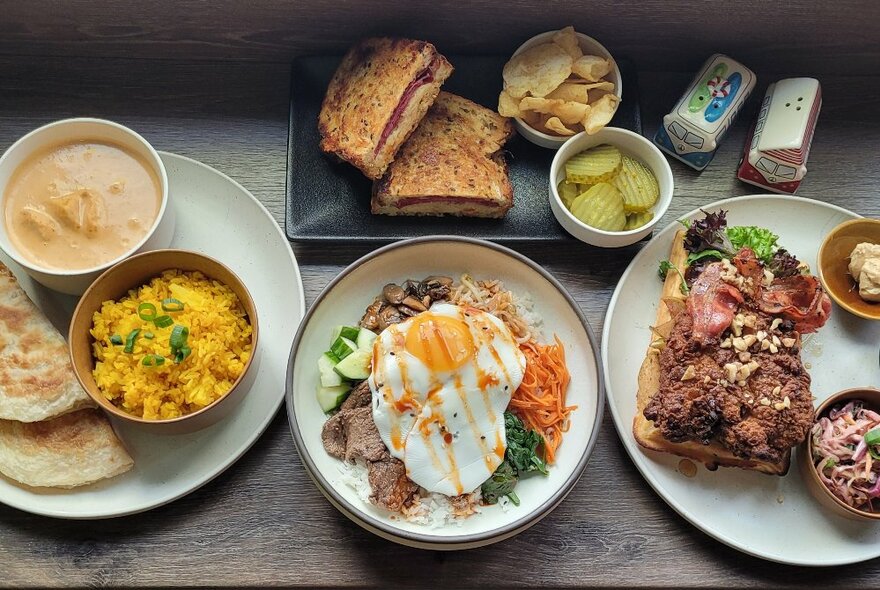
(330,200)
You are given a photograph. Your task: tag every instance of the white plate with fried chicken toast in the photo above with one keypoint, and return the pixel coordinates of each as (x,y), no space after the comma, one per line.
(675,416)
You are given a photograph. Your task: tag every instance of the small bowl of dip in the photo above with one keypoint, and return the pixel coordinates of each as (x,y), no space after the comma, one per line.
(853,247)
(80,195)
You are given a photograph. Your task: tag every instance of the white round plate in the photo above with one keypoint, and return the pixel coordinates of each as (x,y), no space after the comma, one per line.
(771,517)
(219,217)
(344,301)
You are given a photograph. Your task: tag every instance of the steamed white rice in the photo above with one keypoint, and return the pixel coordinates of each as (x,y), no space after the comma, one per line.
(429,509)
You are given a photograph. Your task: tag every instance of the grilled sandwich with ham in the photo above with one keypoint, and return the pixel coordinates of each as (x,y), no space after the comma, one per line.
(452,164)
(378,95)
(723,382)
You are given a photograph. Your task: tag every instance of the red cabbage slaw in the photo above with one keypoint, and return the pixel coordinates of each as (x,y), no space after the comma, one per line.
(846,453)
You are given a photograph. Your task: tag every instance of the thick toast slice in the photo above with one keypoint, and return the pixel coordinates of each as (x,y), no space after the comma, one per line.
(672,302)
(378,95)
(451,164)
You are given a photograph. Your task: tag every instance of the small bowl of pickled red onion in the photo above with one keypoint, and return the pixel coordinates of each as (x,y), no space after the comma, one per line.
(840,460)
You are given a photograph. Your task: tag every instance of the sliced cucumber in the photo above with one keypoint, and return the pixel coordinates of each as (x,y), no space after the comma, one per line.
(349,332)
(342,347)
(330,398)
(365,339)
(329,377)
(355,366)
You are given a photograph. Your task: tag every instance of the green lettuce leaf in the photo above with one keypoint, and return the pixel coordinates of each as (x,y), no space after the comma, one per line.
(761,241)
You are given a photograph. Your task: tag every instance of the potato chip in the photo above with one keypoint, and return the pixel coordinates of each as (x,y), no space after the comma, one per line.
(571,113)
(570,92)
(596,95)
(567,39)
(600,113)
(508,106)
(539,105)
(555,125)
(537,71)
(591,67)
(533,119)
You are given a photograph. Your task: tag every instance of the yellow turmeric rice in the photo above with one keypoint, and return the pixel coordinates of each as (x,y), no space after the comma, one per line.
(218,346)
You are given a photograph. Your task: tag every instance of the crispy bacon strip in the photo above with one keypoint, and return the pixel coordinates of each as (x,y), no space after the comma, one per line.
(799,298)
(712,304)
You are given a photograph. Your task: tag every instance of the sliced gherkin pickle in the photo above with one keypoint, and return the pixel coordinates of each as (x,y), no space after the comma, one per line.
(598,164)
(567,192)
(637,220)
(601,207)
(637,184)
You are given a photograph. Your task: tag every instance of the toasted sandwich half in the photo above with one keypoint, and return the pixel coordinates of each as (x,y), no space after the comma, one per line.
(378,95)
(451,165)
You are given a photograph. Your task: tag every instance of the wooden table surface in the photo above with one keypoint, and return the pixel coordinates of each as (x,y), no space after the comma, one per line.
(263,521)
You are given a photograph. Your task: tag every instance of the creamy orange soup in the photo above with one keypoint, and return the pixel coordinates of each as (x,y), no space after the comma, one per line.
(79,205)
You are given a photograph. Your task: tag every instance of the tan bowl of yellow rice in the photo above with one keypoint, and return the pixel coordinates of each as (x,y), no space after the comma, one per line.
(166,339)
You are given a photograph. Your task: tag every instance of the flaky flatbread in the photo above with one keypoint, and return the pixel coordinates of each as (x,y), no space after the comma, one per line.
(36,379)
(72,450)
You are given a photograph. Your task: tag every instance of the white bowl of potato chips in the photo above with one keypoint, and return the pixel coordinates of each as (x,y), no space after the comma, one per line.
(611,188)
(558,84)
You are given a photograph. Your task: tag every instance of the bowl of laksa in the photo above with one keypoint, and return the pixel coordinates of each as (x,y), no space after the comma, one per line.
(166,340)
(79,195)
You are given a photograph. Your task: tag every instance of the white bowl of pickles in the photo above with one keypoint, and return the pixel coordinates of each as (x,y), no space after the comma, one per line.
(611,188)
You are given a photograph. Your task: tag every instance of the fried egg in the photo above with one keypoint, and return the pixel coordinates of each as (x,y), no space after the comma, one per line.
(440,383)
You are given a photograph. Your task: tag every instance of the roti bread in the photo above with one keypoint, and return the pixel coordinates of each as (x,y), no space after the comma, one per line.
(72,450)
(36,379)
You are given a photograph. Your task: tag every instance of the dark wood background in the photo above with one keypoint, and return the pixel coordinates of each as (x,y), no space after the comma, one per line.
(209,80)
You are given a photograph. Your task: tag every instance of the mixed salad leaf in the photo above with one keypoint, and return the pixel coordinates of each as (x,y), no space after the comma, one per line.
(710,239)
(521,457)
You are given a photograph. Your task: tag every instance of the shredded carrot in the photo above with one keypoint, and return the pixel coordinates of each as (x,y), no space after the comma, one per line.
(540,399)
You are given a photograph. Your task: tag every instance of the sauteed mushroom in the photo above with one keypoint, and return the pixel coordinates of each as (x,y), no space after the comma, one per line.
(389,315)
(370,321)
(398,302)
(414,303)
(393,294)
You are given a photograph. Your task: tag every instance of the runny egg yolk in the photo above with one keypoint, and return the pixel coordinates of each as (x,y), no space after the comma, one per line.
(443,343)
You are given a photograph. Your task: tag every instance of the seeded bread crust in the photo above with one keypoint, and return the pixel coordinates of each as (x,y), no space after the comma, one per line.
(364,93)
(451,165)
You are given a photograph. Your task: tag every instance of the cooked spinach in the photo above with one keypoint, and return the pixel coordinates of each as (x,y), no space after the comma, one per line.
(520,458)
(522,446)
(501,484)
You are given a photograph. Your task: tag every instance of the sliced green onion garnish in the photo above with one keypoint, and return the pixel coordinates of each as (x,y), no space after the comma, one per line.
(129,341)
(179,334)
(163,321)
(831,462)
(148,335)
(181,353)
(172,304)
(116,339)
(153,360)
(147,312)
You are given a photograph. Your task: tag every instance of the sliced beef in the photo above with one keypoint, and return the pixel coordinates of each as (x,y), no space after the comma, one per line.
(359,397)
(392,490)
(363,441)
(334,436)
